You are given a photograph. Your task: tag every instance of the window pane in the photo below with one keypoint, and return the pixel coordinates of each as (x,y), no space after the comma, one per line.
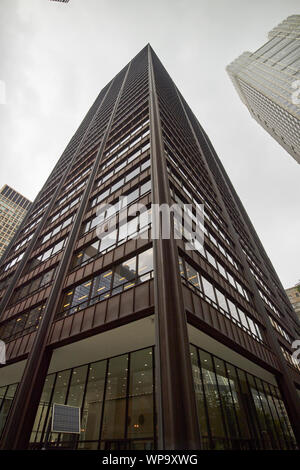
(102,284)
(43,409)
(192,275)
(108,241)
(81,293)
(125,274)
(145,262)
(199,393)
(222,300)
(131,197)
(212,401)
(92,407)
(146,187)
(58,247)
(6,404)
(115,399)
(140,405)
(226,400)
(90,251)
(211,259)
(232,309)
(243,318)
(208,289)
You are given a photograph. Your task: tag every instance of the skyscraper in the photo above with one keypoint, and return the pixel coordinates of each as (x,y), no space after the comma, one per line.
(160,346)
(293,294)
(13,207)
(268,83)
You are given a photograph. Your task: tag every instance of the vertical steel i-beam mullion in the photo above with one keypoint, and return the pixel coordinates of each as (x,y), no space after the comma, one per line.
(178,426)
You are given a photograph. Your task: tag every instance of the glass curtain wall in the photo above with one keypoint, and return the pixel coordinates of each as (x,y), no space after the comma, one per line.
(116,397)
(236,409)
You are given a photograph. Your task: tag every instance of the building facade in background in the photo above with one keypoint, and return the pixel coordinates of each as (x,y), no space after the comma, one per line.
(13,208)
(268,83)
(128,327)
(293,294)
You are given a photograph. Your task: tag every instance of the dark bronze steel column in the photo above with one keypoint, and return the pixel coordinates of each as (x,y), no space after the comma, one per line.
(177,410)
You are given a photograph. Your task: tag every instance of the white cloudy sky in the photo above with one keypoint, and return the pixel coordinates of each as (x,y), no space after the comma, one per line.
(55,58)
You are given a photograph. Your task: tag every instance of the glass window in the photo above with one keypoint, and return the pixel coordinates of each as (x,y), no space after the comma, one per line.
(6,404)
(92,407)
(117,185)
(42,410)
(115,399)
(132,196)
(221,270)
(200,399)
(231,280)
(102,196)
(140,403)
(252,326)
(47,277)
(211,259)
(59,394)
(81,294)
(239,288)
(222,300)
(90,251)
(33,317)
(243,318)
(45,255)
(125,274)
(66,223)
(120,166)
(146,187)
(20,323)
(78,379)
(102,284)
(58,247)
(132,174)
(145,264)
(145,165)
(192,275)
(145,218)
(108,241)
(213,401)
(132,227)
(107,176)
(208,289)
(226,400)
(233,310)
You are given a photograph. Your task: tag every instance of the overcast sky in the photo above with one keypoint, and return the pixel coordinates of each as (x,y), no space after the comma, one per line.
(56,57)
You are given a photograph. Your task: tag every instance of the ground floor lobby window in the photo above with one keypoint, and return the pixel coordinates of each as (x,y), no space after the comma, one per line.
(236,409)
(116,397)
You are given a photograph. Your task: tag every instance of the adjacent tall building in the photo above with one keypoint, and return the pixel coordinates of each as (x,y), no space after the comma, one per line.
(293,294)
(159,346)
(268,83)
(13,208)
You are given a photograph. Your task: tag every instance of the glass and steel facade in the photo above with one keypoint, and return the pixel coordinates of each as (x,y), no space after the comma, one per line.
(236,410)
(13,208)
(268,82)
(78,271)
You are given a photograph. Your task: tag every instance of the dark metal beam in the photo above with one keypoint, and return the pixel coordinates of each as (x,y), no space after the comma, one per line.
(176,401)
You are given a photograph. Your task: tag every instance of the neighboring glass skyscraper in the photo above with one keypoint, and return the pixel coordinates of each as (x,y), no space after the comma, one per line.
(160,347)
(294,296)
(268,83)
(13,208)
